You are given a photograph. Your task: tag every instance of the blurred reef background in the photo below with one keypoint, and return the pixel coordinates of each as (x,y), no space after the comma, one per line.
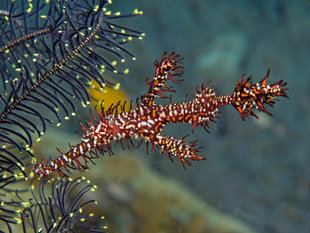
(256,176)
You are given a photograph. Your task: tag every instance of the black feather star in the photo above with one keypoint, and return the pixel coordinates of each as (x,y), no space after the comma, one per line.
(50,53)
(55,206)
(60,206)
(52,62)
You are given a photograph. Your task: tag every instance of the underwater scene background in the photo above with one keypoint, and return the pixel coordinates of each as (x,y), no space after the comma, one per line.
(257,170)
(256,175)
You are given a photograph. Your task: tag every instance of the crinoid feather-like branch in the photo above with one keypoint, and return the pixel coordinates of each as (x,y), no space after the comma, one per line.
(54,205)
(50,52)
(147,119)
(60,205)
(12,175)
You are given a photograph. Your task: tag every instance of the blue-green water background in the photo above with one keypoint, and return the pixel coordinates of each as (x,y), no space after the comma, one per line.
(257,170)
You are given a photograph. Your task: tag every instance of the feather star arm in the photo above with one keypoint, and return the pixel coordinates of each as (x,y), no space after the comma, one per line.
(147,120)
